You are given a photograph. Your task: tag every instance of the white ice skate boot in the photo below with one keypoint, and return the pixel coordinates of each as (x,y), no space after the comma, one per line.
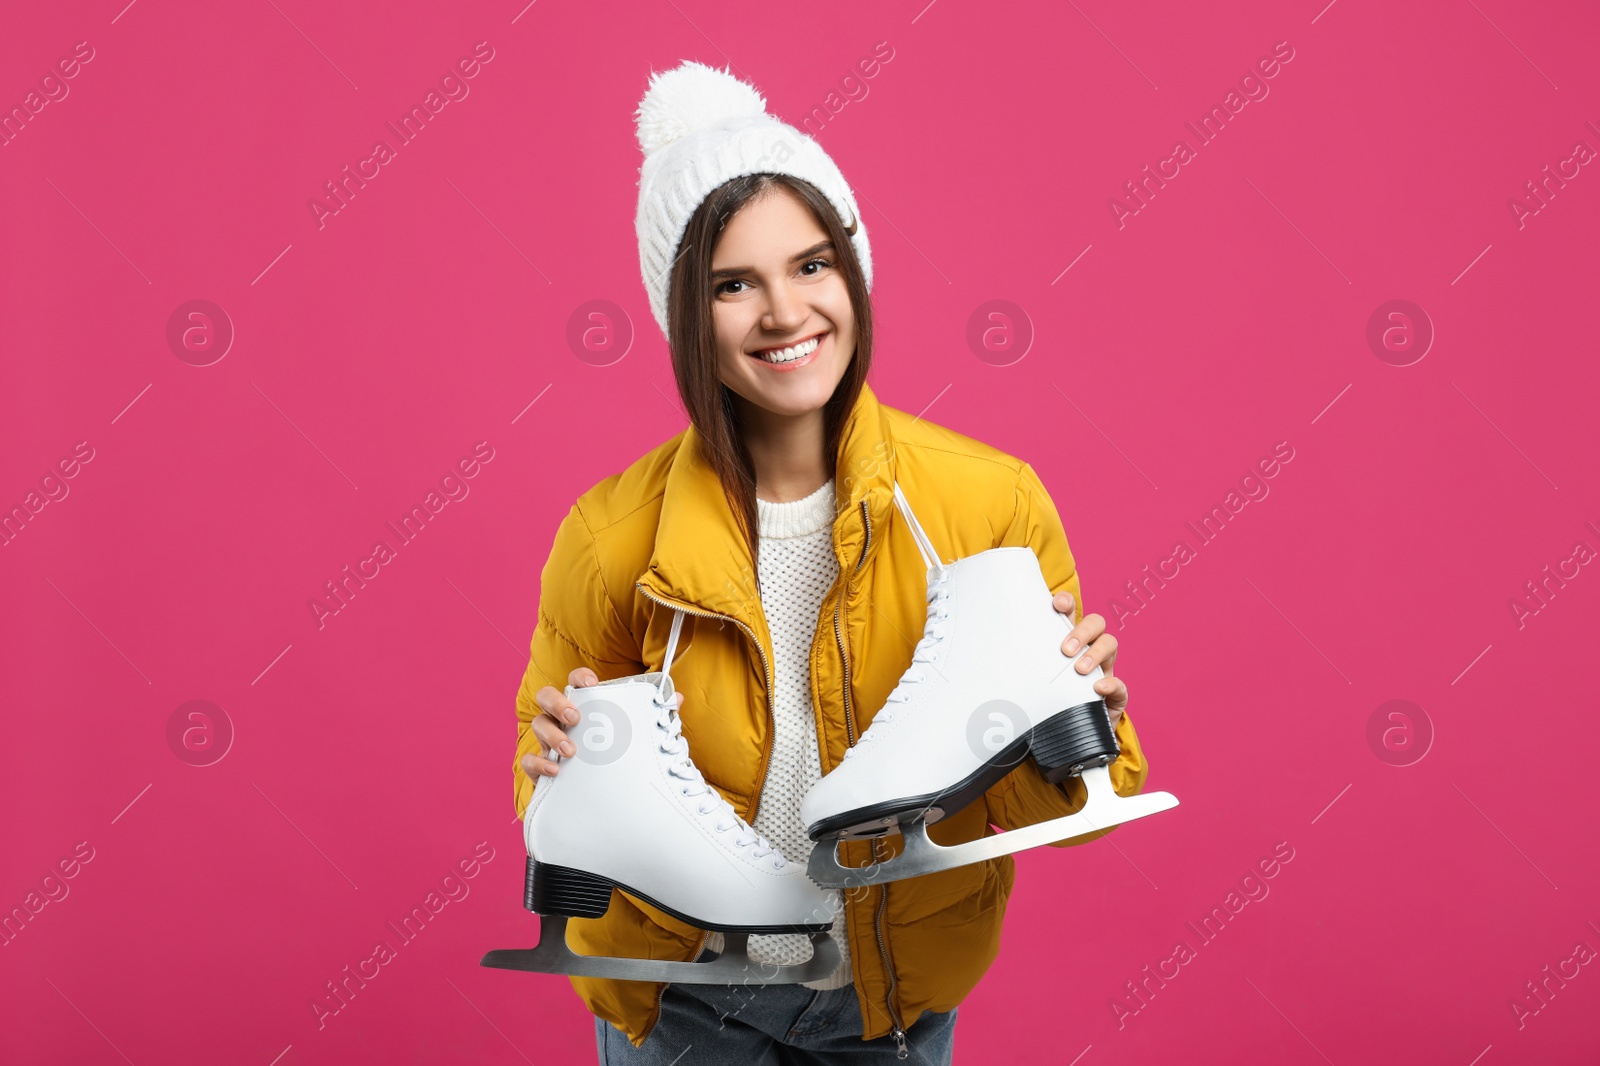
(630,811)
(987,688)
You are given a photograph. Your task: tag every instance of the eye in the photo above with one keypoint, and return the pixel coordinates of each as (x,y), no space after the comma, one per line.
(718,291)
(824,262)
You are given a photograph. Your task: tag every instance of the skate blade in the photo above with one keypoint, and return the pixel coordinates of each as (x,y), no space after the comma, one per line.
(733,967)
(1102,809)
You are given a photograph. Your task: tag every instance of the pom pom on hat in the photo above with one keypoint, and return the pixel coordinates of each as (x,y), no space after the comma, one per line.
(700,127)
(691,98)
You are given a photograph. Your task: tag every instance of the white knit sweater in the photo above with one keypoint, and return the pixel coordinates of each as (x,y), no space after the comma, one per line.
(797,570)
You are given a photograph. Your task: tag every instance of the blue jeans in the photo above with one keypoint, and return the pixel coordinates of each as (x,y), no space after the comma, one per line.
(770,1025)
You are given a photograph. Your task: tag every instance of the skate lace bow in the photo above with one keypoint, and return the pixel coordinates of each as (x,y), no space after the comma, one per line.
(934,629)
(672,742)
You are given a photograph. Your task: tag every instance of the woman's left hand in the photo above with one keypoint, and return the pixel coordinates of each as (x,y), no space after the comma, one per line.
(1102,649)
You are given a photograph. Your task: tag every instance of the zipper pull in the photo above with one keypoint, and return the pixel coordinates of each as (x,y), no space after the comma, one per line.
(900,1043)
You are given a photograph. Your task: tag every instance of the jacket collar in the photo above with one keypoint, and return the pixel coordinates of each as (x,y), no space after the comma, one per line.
(701,559)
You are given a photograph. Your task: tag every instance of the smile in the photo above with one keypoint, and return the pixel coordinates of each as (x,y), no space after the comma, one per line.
(792,356)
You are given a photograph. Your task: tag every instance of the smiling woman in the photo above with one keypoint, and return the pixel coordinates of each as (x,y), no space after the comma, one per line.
(766,536)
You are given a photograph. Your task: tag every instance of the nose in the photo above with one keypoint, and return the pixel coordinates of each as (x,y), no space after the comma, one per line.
(785,310)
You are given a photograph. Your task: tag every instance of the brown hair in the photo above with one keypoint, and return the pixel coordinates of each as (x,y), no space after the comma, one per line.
(692,338)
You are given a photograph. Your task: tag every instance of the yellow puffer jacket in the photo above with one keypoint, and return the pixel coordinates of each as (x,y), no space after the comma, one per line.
(661,534)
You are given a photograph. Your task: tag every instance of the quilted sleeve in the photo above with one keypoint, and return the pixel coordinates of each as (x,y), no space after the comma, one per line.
(578,625)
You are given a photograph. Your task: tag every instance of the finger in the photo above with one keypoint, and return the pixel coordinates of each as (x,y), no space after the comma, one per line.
(582,676)
(554,702)
(1065,603)
(538,766)
(551,735)
(1114,690)
(1085,632)
(1099,653)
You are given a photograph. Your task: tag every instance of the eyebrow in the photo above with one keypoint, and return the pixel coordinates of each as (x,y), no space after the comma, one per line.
(729,272)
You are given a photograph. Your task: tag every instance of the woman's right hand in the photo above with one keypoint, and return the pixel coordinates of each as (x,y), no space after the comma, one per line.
(550,726)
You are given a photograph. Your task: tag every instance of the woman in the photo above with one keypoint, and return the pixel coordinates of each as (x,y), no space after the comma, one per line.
(774,510)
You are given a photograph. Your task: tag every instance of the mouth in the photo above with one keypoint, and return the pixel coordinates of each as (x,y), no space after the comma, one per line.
(790,356)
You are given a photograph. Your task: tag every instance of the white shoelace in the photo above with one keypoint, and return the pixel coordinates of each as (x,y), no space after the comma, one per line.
(713,803)
(934,630)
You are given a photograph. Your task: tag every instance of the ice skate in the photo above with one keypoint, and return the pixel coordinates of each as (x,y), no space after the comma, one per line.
(630,811)
(988,688)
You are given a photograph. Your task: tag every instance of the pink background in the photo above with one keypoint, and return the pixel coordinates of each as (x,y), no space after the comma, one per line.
(372,754)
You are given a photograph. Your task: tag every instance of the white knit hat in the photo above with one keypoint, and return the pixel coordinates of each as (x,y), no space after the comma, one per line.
(700,127)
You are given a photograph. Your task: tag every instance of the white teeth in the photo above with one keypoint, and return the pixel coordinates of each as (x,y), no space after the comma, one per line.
(789,355)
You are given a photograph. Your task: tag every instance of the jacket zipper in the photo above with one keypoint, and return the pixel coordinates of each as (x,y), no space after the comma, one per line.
(849,719)
(898,1031)
(766,750)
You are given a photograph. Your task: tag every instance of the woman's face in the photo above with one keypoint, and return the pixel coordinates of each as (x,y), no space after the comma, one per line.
(776,284)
